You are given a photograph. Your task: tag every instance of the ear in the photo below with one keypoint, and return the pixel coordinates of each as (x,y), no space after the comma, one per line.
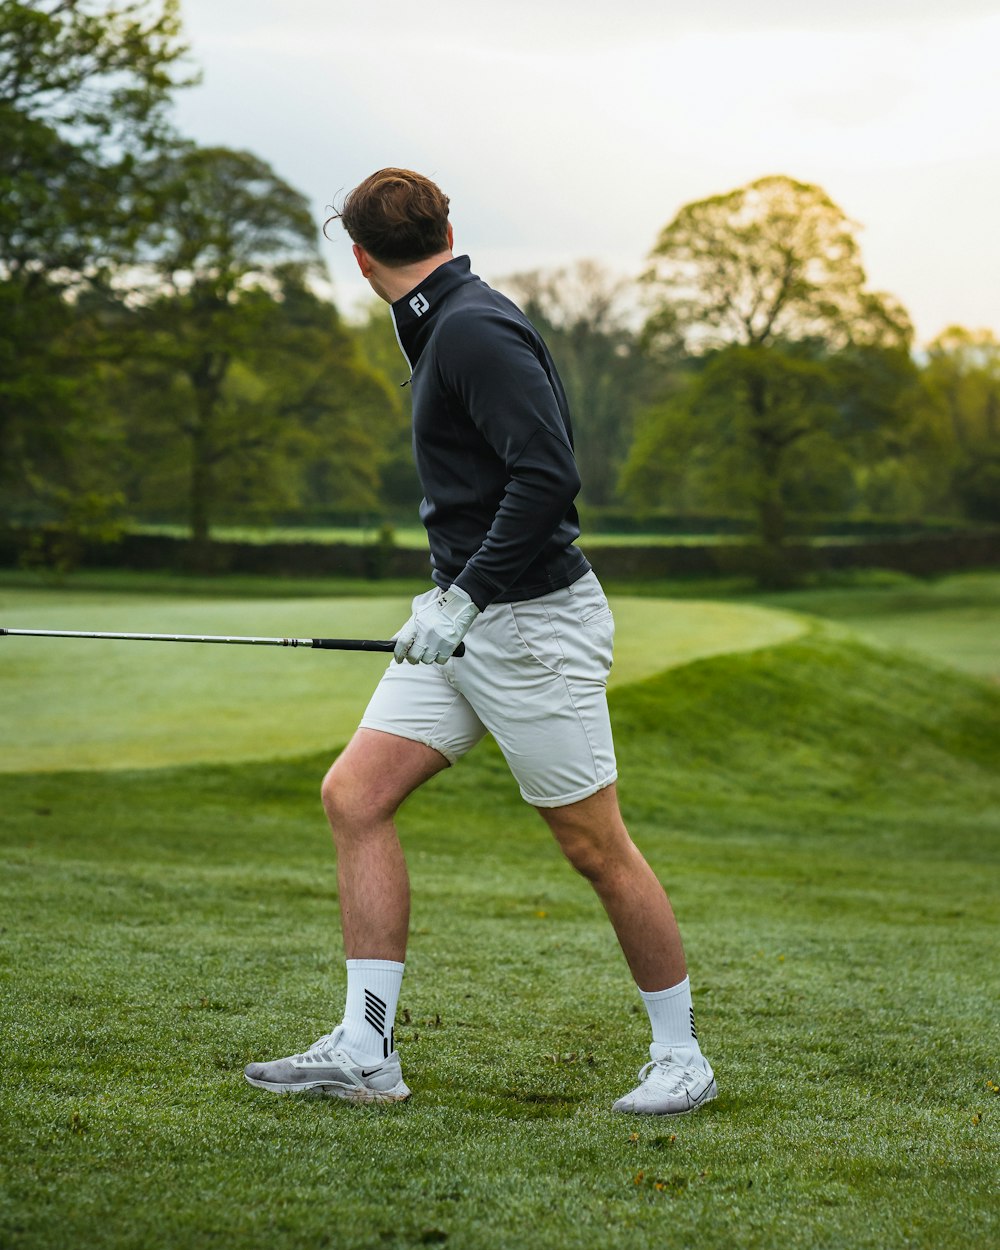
(451,238)
(363,259)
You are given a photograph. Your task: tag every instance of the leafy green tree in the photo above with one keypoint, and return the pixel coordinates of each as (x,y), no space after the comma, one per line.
(774,261)
(347,418)
(248,393)
(229,236)
(825,414)
(961,405)
(84,90)
(299,425)
(799,369)
(583,314)
(399,489)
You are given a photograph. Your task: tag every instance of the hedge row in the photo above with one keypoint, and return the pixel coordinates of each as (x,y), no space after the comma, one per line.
(922,556)
(618,521)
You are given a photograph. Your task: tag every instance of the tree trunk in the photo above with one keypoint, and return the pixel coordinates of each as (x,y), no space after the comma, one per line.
(773,567)
(201,479)
(201,492)
(207,377)
(771,514)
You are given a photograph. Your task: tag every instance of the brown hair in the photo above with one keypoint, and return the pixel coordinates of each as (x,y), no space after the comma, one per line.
(397,216)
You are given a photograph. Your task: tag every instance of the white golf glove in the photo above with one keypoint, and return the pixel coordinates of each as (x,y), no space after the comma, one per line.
(433,632)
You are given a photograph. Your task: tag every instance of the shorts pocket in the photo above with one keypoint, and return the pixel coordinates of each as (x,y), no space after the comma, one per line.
(588,598)
(599,648)
(537,634)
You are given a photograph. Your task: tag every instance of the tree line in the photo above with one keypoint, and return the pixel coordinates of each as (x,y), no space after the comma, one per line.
(165,350)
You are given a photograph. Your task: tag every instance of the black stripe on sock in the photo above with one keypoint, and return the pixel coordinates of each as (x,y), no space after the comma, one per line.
(375,1012)
(694,1031)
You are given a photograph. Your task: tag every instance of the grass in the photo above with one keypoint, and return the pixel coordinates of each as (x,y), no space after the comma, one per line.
(95,704)
(825,814)
(954,619)
(88,704)
(82,583)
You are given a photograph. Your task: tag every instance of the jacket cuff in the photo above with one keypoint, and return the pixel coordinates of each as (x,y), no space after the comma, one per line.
(481,593)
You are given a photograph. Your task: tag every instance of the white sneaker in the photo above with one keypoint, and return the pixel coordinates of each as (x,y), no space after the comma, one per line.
(677,1079)
(326,1070)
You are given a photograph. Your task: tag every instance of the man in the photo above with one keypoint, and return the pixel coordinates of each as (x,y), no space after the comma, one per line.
(493,448)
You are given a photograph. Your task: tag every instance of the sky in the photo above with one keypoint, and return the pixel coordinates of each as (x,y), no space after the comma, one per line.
(565,130)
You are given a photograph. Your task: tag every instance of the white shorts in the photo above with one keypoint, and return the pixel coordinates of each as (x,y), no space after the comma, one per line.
(535,676)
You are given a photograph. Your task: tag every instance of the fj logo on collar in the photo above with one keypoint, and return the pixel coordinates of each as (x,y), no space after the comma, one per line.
(419,303)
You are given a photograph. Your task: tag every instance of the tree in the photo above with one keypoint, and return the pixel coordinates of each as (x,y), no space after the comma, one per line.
(84,90)
(582,312)
(247,391)
(773,261)
(824,413)
(347,424)
(301,423)
(799,368)
(399,486)
(961,404)
(229,235)
(84,93)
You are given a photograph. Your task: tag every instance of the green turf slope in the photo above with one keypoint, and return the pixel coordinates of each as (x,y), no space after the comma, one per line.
(953,619)
(826,816)
(98,704)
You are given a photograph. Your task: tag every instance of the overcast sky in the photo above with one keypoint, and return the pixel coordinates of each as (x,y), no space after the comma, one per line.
(566,129)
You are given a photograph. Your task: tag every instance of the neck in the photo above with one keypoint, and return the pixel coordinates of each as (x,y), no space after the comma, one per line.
(395,282)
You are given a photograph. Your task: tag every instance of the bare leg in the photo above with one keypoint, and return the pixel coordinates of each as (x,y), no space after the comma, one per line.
(361,793)
(594,839)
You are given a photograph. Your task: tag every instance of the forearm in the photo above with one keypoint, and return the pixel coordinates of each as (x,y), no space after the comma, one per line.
(534,504)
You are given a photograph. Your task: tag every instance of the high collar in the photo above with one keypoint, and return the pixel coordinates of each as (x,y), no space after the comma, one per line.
(414,314)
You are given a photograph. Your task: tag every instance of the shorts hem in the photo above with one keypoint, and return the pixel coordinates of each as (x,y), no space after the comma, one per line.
(564,800)
(387,727)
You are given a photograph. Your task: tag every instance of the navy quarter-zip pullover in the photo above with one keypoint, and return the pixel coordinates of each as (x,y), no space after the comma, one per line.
(492,441)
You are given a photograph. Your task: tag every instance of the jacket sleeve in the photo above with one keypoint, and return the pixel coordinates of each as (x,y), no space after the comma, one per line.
(497,370)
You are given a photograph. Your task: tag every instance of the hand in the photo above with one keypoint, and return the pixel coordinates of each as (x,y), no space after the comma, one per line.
(431,635)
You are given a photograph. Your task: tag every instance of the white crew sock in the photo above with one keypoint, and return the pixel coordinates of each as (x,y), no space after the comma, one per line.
(671,1016)
(372,995)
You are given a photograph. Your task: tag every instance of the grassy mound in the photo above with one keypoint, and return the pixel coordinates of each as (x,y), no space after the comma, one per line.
(825,816)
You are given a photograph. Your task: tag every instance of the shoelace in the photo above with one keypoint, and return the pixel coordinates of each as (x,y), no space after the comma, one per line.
(324,1049)
(682,1075)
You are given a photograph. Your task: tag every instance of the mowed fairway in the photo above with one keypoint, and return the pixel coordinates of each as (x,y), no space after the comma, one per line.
(826,815)
(953,620)
(75,704)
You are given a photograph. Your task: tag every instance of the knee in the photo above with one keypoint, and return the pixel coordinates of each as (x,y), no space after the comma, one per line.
(332,795)
(346,804)
(589,857)
(598,851)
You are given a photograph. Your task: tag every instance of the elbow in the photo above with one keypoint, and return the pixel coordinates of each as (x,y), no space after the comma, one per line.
(552,478)
(563,483)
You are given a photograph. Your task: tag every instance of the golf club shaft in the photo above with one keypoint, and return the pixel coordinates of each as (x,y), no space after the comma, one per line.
(325,644)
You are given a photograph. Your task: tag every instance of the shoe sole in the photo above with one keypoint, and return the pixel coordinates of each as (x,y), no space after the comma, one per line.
(326,1089)
(707,1096)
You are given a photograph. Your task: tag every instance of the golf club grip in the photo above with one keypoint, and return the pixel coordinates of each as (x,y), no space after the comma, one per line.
(366,644)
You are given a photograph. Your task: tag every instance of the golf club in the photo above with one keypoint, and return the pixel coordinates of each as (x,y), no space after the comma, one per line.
(324,644)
